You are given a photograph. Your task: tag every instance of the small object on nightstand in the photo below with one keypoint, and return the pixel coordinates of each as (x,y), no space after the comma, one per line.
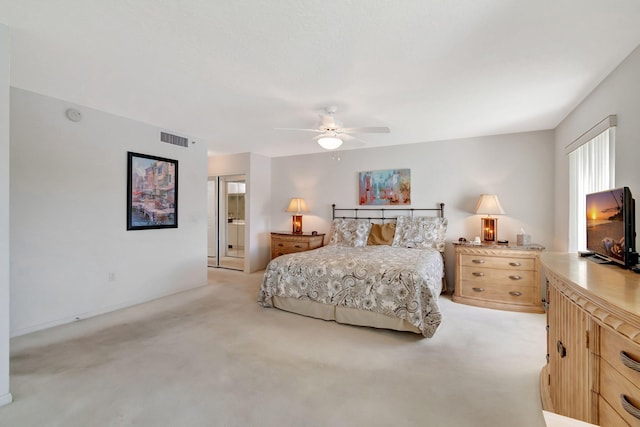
(523,239)
(635,269)
(462,240)
(503,242)
(314,233)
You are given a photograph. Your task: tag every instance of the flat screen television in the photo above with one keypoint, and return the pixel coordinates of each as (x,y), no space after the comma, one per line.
(611,231)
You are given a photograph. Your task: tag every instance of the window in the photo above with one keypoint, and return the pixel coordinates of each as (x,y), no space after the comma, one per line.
(591,169)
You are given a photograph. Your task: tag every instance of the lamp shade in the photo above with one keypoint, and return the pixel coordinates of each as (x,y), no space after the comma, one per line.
(489,205)
(330,142)
(297,205)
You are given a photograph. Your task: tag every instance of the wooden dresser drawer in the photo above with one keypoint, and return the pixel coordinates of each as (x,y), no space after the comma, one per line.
(593,345)
(608,417)
(512,293)
(621,354)
(507,263)
(620,375)
(492,275)
(620,393)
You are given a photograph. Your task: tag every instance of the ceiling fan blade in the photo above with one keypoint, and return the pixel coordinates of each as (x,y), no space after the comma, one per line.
(382,129)
(352,141)
(303,130)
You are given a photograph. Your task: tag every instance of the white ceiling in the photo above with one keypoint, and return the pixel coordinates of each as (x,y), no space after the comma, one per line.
(230,71)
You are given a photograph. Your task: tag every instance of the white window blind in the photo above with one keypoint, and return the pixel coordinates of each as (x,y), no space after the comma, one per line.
(591,169)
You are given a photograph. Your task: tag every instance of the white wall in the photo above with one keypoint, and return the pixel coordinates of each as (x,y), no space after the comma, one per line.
(68,216)
(259,209)
(517,167)
(5,396)
(234,164)
(618,94)
(257,202)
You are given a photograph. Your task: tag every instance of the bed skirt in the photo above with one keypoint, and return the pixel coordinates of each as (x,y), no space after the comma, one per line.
(342,314)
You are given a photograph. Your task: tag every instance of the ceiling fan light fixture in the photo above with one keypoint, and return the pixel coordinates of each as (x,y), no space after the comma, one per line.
(330,142)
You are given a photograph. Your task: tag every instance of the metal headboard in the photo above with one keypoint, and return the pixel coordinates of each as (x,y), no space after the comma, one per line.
(379,213)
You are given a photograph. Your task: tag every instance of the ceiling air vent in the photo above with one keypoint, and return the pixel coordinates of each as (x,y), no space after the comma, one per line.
(174,139)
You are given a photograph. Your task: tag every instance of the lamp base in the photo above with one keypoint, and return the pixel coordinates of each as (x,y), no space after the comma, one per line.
(489,229)
(296,224)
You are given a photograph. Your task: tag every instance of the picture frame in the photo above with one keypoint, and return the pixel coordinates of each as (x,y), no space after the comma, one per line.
(152,192)
(385,187)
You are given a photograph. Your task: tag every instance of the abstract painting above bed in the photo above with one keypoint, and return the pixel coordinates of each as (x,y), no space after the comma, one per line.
(392,281)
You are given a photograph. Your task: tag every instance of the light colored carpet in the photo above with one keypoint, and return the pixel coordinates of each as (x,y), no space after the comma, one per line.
(214,357)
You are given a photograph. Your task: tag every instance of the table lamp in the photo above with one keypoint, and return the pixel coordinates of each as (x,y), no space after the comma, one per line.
(297,205)
(489,205)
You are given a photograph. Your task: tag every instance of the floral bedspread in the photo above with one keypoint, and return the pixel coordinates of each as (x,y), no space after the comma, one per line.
(397,282)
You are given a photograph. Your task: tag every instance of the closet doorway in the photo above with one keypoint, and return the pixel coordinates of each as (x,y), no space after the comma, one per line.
(226,221)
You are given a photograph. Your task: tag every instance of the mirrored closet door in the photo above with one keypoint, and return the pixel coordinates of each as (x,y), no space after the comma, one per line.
(226,223)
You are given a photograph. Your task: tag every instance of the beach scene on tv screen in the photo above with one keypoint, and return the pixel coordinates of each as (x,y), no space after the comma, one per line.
(605,224)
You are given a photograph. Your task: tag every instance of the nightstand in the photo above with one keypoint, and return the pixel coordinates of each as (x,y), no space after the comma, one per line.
(500,277)
(287,243)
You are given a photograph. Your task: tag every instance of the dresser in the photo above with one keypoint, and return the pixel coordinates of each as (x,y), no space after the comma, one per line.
(499,277)
(593,341)
(287,243)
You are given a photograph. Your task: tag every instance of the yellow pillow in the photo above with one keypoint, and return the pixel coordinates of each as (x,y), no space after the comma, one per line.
(381,234)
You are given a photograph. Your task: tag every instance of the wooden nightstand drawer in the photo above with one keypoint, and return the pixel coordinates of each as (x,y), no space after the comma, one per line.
(496,276)
(497,262)
(510,294)
(501,277)
(286,243)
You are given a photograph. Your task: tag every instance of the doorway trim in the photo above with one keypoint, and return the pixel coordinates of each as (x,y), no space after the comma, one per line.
(221,223)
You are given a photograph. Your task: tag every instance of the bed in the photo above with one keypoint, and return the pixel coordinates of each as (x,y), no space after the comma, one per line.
(382,268)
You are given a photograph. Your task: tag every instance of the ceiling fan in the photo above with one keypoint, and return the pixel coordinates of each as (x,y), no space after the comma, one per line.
(332,134)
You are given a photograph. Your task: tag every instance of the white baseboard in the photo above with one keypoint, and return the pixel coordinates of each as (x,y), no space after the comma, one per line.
(102,310)
(5,399)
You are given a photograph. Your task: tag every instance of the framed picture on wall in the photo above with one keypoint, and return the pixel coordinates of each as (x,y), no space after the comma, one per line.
(152,192)
(385,187)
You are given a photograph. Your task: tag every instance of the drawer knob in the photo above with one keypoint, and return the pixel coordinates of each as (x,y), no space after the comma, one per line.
(478,261)
(629,362)
(478,289)
(628,406)
(515,293)
(515,264)
(280,244)
(515,277)
(478,273)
